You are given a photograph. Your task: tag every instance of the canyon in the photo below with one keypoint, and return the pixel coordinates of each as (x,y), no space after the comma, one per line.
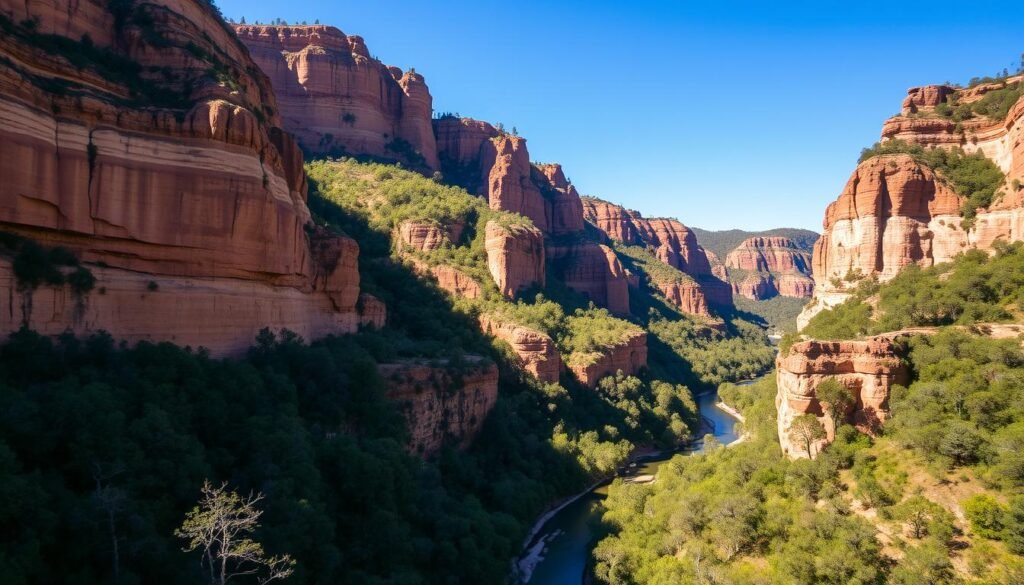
(763,267)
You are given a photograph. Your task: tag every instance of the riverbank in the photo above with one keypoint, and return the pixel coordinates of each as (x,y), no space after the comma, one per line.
(556,550)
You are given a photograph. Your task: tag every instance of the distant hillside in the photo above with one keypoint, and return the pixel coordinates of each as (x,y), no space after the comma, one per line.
(723,242)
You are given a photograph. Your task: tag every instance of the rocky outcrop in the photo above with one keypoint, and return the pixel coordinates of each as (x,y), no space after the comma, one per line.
(771,266)
(443,405)
(515,257)
(594,271)
(496,166)
(673,244)
(688,295)
(152,169)
(372,311)
(629,357)
(336,98)
(868,369)
(450,279)
(536,351)
(895,212)
(424,237)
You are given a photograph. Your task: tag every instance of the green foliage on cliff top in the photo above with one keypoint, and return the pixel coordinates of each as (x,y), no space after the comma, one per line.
(995,104)
(589,332)
(973,288)
(973,176)
(778,312)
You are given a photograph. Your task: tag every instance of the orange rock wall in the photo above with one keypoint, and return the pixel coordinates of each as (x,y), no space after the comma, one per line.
(335,97)
(868,369)
(536,350)
(203,195)
(628,357)
(778,267)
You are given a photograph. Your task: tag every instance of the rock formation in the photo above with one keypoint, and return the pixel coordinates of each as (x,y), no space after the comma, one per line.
(450,279)
(673,244)
(372,311)
(868,369)
(496,166)
(515,257)
(173,184)
(424,237)
(628,357)
(894,211)
(536,351)
(336,98)
(442,404)
(771,266)
(594,271)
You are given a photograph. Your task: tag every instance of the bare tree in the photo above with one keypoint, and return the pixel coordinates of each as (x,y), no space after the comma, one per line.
(110,501)
(218,527)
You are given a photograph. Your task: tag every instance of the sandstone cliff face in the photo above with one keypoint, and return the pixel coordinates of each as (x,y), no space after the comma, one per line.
(424,237)
(629,357)
(515,257)
(372,311)
(594,271)
(442,406)
(868,369)
(450,279)
(893,212)
(335,97)
(672,243)
(536,351)
(496,166)
(777,267)
(160,159)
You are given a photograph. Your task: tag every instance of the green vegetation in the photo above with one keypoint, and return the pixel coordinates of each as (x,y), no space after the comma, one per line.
(709,355)
(725,241)
(587,333)
(35,265)
(864,510)
(972,289)
(994,104)
(639,260)
(779,313)
(973,176)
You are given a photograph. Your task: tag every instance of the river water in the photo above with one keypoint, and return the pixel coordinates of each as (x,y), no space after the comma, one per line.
(567,537)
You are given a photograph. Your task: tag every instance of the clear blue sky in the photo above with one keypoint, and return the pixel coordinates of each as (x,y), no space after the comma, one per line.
(722,114)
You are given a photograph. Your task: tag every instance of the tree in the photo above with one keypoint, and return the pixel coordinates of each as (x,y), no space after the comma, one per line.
(807,429)
(836,399)
(218,526)
(918,512)
(986,515)
(242,21)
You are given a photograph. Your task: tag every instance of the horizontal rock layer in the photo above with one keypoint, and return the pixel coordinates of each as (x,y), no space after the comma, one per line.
(535,350)
(628,357)
(868,369)
(162,174)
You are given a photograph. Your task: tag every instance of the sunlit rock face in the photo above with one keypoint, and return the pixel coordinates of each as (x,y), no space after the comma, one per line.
(867,369)
(337,99)
(176,187)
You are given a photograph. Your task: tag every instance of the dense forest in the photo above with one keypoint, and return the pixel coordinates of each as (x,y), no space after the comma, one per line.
(937,498)
(108,446)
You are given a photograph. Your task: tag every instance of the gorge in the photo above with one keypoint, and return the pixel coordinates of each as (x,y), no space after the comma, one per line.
(244,258)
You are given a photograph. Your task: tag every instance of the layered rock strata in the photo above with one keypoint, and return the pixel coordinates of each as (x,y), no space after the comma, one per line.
(672,243)
(594,271)
(336,98)
(535,350)
(867,369)
(443,405)
(771,266)
(153,151)
(894,211)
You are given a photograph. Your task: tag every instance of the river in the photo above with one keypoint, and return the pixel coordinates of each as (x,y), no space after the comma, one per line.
(565,540)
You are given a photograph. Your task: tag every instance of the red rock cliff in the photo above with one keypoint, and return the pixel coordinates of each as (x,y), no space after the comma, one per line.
(335,97)
(515,257)
(868,369)
(496,165)
(536,350)
(157,157)
(442,405)
(628,357)
(672,243)
(777,265)
(894,212)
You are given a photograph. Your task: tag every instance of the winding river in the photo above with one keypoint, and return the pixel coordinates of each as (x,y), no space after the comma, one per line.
(563,543)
